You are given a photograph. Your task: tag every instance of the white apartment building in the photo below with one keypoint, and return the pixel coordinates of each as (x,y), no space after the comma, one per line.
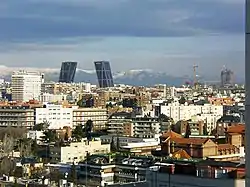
(209,119)
(77,151)
(26,85)
(185,112)
(57,116)
(99,116)
(48,98)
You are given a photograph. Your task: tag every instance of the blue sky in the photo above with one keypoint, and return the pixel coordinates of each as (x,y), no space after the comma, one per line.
(164,35)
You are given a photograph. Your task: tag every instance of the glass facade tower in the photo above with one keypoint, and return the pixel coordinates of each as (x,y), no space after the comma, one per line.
(104,74)
(68,71)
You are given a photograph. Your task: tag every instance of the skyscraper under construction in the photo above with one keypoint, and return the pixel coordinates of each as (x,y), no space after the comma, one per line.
(227,77)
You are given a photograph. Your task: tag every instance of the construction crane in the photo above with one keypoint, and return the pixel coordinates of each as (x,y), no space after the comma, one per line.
(195,75)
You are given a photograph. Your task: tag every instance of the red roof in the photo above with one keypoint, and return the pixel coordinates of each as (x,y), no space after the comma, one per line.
(194,141)
(171,134)
(238,128)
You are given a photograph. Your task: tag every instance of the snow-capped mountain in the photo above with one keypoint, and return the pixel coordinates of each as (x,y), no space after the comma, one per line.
(131,77)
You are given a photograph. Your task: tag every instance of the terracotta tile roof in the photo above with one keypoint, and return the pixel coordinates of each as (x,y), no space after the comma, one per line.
(238,128)
(225,146)
(171,134)
(181,154)
(194,141)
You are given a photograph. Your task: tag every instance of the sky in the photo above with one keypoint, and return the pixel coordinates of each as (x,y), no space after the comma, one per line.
(163,35)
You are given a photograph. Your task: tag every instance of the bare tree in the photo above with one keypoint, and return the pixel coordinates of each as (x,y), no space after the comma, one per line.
(24,146)
(8,145)
(7,166)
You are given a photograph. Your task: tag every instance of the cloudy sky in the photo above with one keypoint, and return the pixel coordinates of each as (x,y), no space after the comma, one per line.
(164,35)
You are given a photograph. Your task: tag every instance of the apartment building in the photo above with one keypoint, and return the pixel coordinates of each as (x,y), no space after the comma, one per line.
(52,98)
(184,112)
(77,151)
(145,127)
(26,85)
(205,175)
(99,116)
(56,115)
(120,123)
(17,116)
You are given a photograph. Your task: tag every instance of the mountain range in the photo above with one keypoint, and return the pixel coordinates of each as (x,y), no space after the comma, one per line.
(143,77)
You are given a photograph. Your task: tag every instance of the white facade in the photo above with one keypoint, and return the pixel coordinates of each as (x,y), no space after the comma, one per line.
(57,116)
(47,97)
(26,85)
(185,112)
(77,151)
(209,119)
(35,135)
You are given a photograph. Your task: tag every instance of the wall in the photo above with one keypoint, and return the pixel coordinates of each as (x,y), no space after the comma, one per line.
(162,180)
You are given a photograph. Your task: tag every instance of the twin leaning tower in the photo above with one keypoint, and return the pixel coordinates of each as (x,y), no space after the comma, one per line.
(103,72)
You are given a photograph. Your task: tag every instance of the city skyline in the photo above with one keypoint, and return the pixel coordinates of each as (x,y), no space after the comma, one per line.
(130,34)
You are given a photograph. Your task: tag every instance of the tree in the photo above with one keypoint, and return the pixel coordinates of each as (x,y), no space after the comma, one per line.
(118,143)
(8,145)
(24,146)
(79,133)
(50,136)
(163,118)
(182,100)
(73,174)
(109,105)
(7,166)
(88,129)
(205,132)
(66,137)
(188,131)
(112,145)
(34,148)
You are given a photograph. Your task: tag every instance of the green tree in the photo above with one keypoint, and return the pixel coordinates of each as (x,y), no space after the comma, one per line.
(79,132)
(66,137)
(182,100)
(113,145)
(34,148)
(188,131)
(42,126)
(73,174)
(50,136)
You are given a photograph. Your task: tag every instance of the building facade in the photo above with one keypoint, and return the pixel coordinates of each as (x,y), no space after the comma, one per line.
(17,116)
(104,74)
(67,73)
(99,117)
(56,115)
(207,112)
(26,85)
(77,151)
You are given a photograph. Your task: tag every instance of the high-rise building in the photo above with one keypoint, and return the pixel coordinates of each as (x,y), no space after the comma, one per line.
(247,87)
(26,85)
(104,74)
(226,77)
(68,71)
